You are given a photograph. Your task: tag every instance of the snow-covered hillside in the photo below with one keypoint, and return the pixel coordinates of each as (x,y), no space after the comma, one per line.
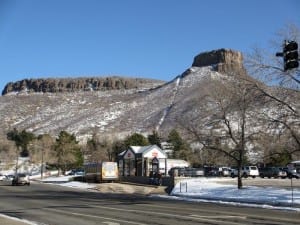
(118,112)
(82,113)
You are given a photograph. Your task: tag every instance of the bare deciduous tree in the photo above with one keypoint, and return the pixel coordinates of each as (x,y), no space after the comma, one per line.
(7,153)
(41,151)
(283,93)
(264,65)
(100,148)
(225,123)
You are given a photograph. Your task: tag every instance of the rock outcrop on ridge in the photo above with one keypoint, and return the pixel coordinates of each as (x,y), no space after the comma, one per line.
(56,85)
(223,60)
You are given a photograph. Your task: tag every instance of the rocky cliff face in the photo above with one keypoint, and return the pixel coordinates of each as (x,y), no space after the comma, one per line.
(224,61)
(52,85)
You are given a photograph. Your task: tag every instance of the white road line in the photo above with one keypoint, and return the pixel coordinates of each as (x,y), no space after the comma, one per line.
(214,219)
(110,223)
(219,216)
(99,217)
(195,217)
(107,218)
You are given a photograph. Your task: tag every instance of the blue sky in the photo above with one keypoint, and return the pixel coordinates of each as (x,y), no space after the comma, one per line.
(138,38)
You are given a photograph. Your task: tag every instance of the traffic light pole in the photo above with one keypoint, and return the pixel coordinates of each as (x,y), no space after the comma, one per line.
(290,55)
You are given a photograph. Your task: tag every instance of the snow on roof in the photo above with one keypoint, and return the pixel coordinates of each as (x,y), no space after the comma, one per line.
(143,149)
(136,149)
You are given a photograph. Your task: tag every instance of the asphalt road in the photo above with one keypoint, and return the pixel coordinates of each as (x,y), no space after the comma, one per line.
(57,205)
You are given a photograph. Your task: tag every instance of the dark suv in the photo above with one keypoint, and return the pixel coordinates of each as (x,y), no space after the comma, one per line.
(269,172)
(292,172)
(21,179)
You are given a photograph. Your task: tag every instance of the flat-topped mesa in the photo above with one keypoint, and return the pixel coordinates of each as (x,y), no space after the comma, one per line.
(223,60)
(54,85)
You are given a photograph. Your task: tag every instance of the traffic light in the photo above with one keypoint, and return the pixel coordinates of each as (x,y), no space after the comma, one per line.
(290,55)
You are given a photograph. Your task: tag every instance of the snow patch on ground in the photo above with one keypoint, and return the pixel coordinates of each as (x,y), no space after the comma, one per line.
(202,190)
(209,189)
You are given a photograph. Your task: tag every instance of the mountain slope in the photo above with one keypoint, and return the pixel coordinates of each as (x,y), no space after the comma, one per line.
(115,111)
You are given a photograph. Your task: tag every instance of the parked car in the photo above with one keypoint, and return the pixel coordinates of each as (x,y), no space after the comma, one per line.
(247,171)
(10,177)
(193,172)
(269,172)
(2,176)
(224,171)
(250,171)
(176,172)
(21,179)
(76,172)
(211,171)
(6,180)
(282,173)
(233,172)
(291,172)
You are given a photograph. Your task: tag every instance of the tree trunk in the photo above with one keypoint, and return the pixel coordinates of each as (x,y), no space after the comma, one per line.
(240,183)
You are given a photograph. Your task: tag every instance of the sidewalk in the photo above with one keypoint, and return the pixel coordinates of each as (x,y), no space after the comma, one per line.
(5,220)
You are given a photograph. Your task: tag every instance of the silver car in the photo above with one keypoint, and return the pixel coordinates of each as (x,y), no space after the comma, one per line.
(21,179)
(5,180)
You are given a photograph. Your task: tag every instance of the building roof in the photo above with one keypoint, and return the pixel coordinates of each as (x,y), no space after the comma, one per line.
(143,150)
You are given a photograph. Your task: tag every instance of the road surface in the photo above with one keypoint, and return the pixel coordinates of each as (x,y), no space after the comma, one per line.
(57,205)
